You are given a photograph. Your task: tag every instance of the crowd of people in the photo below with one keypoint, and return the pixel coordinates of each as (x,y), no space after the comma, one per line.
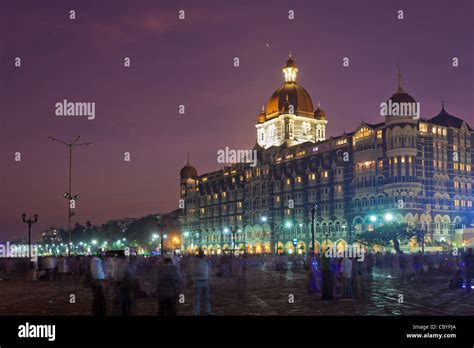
(340,278)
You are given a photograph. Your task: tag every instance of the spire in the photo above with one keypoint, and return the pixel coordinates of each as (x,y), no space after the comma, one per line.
(319,104)
(442,104)
(400,88)
(188,163)
(263,109)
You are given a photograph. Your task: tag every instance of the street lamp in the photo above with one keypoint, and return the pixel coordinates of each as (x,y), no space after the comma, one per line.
(161,225)
(29,221)
(389,216)
(68,195)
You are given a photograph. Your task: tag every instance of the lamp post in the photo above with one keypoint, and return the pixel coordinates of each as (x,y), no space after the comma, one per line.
(68,195)
(313,213)
(161,225)
(29,221)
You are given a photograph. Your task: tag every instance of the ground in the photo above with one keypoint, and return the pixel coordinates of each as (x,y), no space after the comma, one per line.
(268,293)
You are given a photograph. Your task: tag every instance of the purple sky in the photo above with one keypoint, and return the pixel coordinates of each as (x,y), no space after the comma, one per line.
(190,62)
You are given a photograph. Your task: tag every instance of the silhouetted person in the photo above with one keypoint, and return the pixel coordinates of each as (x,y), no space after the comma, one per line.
(98,298)
(169,281)
(469,268)
(202,286)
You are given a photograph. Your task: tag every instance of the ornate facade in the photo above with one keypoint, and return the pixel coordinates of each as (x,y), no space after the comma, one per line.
(406,168)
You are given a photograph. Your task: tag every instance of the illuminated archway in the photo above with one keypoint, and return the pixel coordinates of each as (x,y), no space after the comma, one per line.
(341,245)
(301,247)
(280,248)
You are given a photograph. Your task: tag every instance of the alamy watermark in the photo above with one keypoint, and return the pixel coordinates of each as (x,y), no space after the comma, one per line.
(408,109)
(67,108)
(17,250)
(349,251)
(227,155)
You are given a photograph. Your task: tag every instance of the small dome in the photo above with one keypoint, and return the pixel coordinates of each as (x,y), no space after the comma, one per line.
(188,171)
(400,96)
(319,113)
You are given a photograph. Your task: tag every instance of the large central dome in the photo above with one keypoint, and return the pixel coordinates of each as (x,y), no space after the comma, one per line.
(291,93)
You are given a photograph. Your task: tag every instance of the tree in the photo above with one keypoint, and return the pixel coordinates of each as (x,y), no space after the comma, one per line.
(387,235)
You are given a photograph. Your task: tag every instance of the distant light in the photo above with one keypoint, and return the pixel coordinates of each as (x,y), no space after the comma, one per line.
(389,216)
(186,234)
(154,236)
(301,225)
(264,219)
(124,239)
(373,218)
(94,242)
(288,224)
(165,236)
(226,230)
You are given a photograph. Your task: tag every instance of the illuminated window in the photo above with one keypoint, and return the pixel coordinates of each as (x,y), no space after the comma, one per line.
(289,156)
(204,179)
(435,163)
(463,203)
(364,132)
(312,176)
(461,166)
(380,164)
(456,202)
(433,130)
(202,210)
(469,204)
(423,127)
(239,204)
(379,134)
(298,179)
(325,174)
(224,194)
(233,180)
(300,153)
(403,159)
(239,217)
(456,184)
(445,132)
(456,166)
(338,188)
(468,167)
(288,181)
(395,160)
(216,195)
(409,159)
(277,199)
(341,142)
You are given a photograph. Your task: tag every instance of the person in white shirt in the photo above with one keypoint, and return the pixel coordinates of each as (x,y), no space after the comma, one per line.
(347,277)
(98,297)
